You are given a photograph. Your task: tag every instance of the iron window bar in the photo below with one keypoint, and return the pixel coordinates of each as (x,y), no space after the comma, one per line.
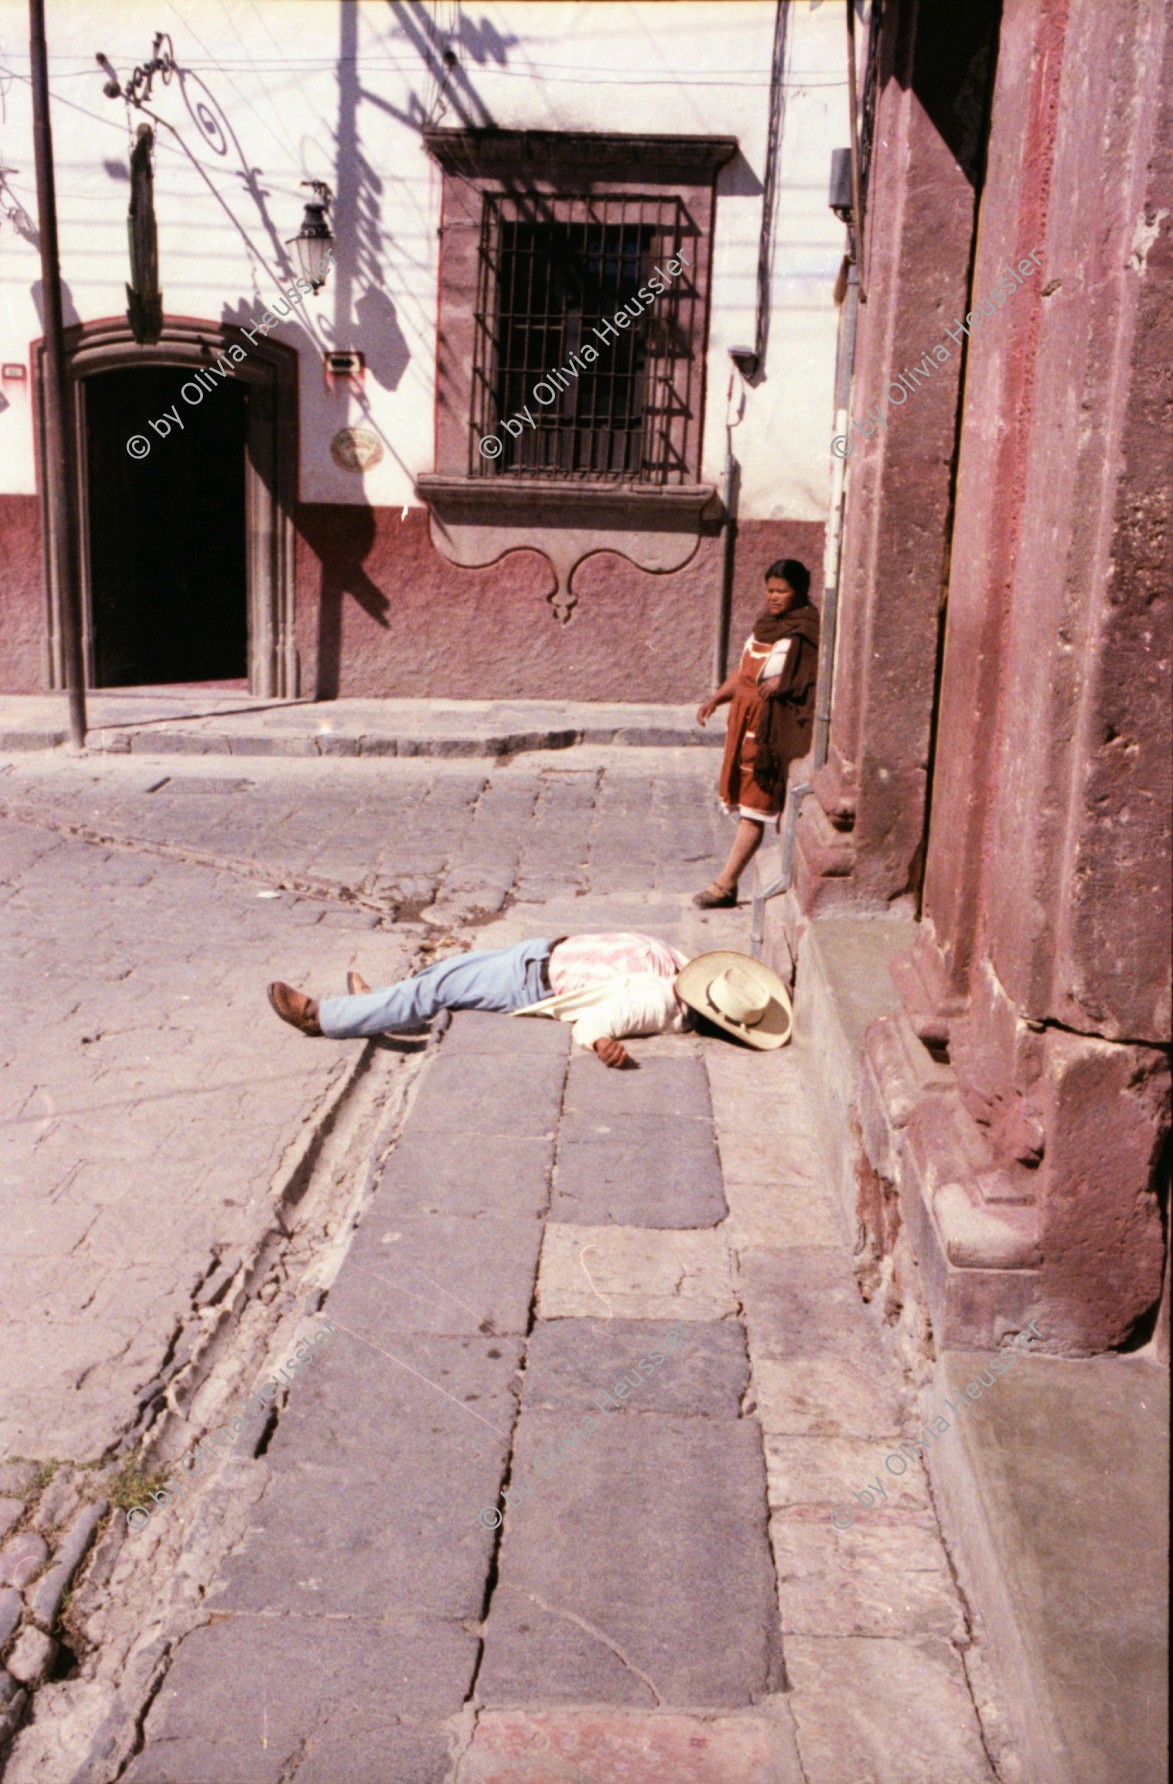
(552,269)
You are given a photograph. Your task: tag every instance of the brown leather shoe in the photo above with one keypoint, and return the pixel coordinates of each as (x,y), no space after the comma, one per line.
(356,985)
(294,1007)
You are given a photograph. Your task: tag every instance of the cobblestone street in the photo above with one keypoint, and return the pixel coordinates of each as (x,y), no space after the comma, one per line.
(500,1232)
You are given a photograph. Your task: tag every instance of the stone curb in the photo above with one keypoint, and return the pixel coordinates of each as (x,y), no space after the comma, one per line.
(32,1612)
(12,1707)
(51,1586)
(11,741)
(113,741)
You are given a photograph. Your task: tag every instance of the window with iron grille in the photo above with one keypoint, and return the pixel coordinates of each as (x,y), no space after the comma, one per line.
(552,271)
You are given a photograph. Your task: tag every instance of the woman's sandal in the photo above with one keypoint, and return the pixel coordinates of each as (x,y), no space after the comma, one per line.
(715,898)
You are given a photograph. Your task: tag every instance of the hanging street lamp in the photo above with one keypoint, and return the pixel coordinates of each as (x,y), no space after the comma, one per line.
(314,241)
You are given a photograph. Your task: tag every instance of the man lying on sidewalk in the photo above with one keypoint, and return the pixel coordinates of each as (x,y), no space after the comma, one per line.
(609,986)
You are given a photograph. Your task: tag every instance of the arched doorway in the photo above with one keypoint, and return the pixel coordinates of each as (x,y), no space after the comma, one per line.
(187,547)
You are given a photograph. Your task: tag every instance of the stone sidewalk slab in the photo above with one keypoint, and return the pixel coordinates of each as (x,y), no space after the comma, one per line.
(827,1396)
(884,1712)
(437,1273)
(604,1182)
(759,1155)
(890,1580)
(604,1591)
(648,1136)
(782,1214)
(588,1272)
(616,1747)
(810,1478)
(378,1467)
(805,1304)
(473,1096)
(754,1151)
(484,1031)
(365,1699)
(704,1372)
(669,1089)
(442,1174)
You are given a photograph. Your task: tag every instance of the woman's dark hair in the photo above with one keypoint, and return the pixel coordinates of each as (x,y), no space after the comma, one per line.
(791,571)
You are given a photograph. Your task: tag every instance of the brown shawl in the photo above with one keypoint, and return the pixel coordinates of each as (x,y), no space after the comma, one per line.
(784,729)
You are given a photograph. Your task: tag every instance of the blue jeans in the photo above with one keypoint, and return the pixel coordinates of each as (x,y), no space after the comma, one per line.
(501,979)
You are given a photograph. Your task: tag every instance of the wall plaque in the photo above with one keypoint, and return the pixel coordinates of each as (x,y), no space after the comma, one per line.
(356,449)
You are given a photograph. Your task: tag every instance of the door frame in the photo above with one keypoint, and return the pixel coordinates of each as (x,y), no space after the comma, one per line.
(270,492)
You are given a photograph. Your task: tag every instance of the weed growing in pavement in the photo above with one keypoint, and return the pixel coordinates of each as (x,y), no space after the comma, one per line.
(132,1483)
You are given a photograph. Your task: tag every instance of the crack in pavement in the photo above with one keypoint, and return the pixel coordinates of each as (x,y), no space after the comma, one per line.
(485,1324)
(157,1096)
(600,1636)
(587,1274)
(432,1384)
(255,873)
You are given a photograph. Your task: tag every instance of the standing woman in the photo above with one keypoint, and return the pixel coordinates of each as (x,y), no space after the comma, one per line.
(773,696)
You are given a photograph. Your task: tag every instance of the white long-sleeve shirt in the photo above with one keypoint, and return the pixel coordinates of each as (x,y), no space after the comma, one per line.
(613,985)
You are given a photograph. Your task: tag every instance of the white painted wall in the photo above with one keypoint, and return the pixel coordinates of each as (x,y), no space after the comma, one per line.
(281,76)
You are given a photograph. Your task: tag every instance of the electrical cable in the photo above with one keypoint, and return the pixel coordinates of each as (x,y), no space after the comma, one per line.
(556,73)
(286,147)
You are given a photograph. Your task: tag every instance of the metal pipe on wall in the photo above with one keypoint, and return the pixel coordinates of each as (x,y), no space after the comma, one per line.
(856,183)
(751,361)
(832,558)
(729,489)
(829,616)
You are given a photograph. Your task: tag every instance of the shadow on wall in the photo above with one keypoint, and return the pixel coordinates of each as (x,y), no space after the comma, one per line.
(384,343)
(364,313)
(69,315)
(952,77)
(341,537)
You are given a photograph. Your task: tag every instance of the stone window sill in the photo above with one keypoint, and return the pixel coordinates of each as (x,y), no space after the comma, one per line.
(512,501)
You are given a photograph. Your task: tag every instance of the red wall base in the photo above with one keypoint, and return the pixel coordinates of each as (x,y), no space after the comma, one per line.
(24,654)
(381,613)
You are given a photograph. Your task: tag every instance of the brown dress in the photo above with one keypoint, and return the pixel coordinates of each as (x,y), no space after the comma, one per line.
(740,792)
(765,736)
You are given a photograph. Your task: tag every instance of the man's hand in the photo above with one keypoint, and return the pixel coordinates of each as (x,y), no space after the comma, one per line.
(770,686)
(612,1052)
(705,710)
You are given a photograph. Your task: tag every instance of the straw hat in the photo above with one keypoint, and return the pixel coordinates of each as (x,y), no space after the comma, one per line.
(739,994)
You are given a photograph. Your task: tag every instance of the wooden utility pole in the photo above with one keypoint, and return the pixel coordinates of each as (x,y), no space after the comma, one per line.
(59,509)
